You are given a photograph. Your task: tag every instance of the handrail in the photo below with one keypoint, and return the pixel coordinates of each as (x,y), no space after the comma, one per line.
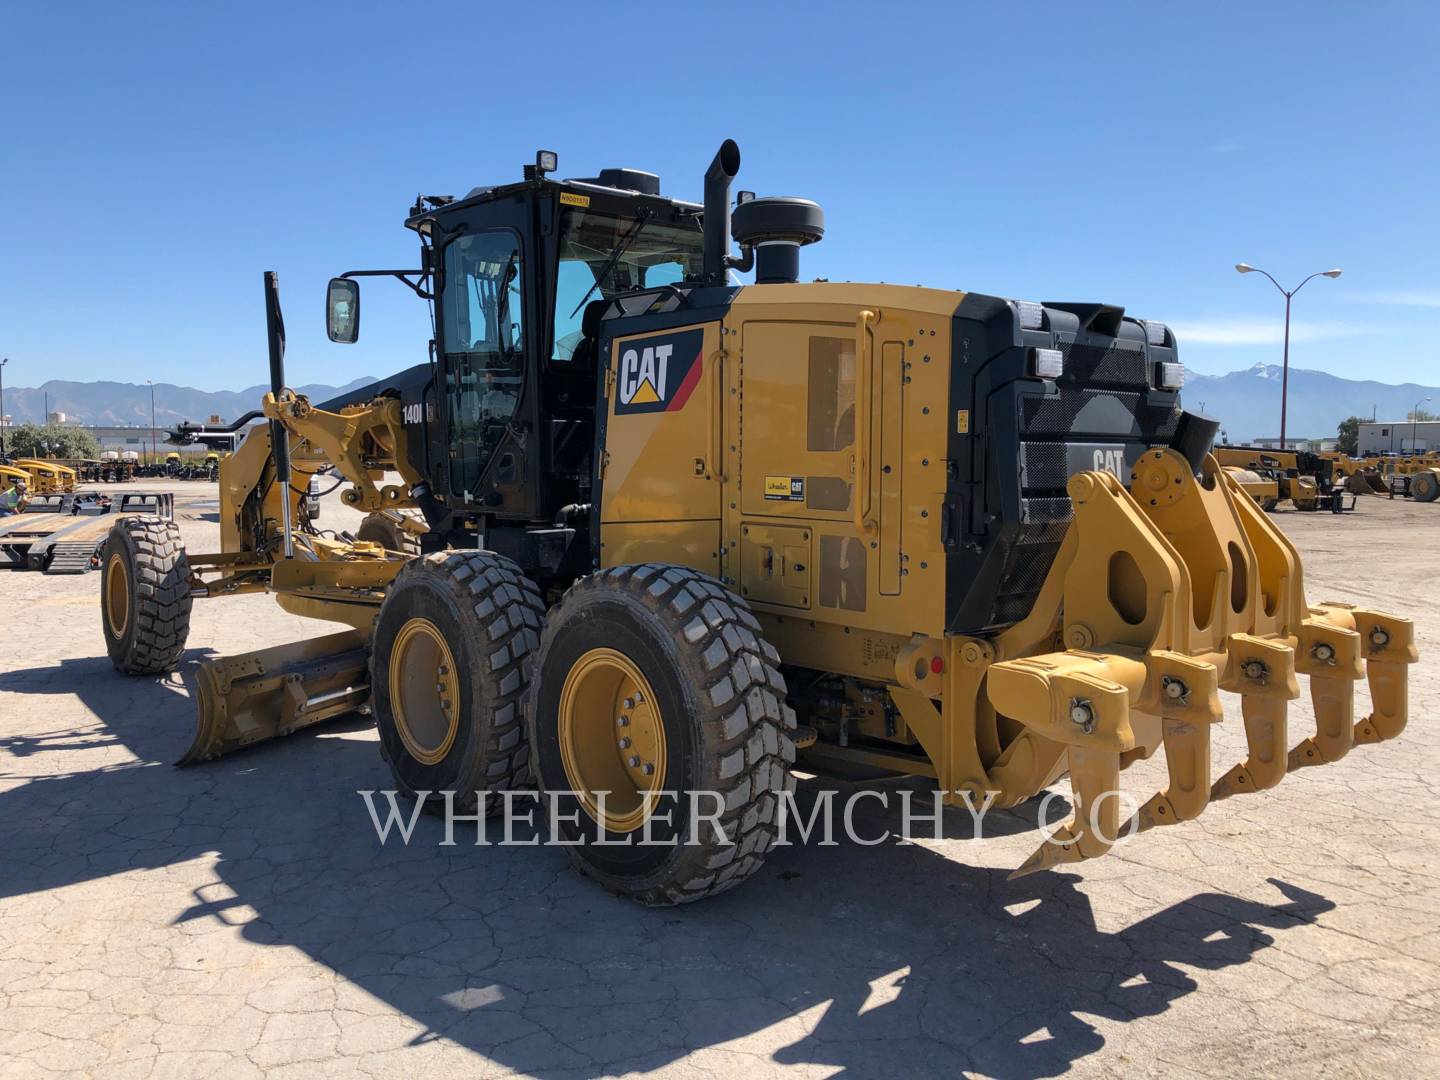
(864,364)
(715,435)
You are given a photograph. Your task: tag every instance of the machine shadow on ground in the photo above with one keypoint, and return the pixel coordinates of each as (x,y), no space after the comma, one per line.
(901,961)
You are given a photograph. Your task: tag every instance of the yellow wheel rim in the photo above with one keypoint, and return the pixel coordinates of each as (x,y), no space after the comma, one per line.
(117,596)
(424,691)
(612,739)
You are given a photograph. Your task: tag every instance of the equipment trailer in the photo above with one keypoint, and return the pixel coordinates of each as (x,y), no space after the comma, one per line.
(63,533)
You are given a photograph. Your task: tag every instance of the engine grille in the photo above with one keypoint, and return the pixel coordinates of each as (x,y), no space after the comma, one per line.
(1120,363)
(1100,396)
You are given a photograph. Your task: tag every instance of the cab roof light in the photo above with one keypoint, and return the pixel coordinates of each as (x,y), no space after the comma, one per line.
(1155,333)
(1049,363)
(1170,376)
(1032,315)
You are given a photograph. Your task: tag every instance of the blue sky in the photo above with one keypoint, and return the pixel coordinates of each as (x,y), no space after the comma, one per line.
(155,159)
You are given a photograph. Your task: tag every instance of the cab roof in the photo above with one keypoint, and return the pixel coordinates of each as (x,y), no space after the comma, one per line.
(605,186)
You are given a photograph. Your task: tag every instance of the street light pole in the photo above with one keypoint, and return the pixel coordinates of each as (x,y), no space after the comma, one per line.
(1246,268)
(2,403)
(1415,423)
(152,421)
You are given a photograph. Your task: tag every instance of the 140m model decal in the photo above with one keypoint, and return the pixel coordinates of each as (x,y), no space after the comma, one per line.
(659,373)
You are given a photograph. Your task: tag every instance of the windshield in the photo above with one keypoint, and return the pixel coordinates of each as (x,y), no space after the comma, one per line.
(650,253)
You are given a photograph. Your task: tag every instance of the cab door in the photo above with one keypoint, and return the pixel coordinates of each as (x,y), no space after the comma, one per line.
(486,391)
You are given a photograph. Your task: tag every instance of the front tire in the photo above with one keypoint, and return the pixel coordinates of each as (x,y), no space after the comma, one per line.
(382,528)
(652,683)
(1425,486)
(144,595)
(449,666)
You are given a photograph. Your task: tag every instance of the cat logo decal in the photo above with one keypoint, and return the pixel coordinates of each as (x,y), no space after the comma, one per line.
(658,373)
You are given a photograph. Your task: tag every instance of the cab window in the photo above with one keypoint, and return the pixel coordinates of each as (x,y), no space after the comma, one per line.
(484,347)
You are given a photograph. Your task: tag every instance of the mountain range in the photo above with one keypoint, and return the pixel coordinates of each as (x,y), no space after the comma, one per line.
(1247,402)
(117,404)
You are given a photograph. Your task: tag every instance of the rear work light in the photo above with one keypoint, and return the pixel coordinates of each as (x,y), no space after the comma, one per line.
(1032,315)
(1049,363)
(1155,333)
(1169,376)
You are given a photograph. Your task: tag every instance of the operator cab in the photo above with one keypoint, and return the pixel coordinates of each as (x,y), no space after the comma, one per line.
(505,410)
(507,414)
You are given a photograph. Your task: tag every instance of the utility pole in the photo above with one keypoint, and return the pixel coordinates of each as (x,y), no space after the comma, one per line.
(1415,423)
(152,421)
(2,404)
(1246,268)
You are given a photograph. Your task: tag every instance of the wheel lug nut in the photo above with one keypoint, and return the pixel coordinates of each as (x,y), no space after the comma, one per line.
(624,743)
(629,703)
(622,721)
(634,761)
(649,769)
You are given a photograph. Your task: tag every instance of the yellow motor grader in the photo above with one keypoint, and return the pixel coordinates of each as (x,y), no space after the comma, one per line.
(676,533)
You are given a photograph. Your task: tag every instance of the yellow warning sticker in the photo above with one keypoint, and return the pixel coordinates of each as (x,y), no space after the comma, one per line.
(569,198)
(785,488)
(962,421)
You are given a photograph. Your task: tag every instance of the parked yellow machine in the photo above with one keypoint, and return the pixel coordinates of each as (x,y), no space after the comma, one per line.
(1305,480)
(1265,490)
(1414,475)
(9,474)
(675,541)
(48,477)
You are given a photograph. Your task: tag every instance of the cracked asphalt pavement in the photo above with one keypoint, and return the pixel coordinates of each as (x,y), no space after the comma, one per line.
(239,919)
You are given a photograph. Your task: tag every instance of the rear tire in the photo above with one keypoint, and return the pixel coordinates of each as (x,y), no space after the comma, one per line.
(1425,486)
(380,528)
(449,666)
(719,702)
(144,595)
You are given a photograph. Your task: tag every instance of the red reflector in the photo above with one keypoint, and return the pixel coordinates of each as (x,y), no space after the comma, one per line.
(937,665)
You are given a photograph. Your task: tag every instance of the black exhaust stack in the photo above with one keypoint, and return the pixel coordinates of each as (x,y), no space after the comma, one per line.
(717,210)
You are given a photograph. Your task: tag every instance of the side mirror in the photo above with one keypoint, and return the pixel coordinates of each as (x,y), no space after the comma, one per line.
(342,310)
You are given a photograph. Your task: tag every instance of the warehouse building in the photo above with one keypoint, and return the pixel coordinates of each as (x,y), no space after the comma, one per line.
(1398,436)
(1314,446)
